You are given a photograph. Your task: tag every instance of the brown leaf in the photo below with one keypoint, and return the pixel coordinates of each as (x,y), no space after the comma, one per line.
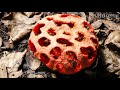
(97,24)
(111,52)
(7,16)
(3,72)
(114,37)
(53,75)
(12,60)
(112,59)
(111,25)
(91,17)
(35,76)
(83,15)
(32,62)
(0,41)
(15,74)
(29,14)
(20,25)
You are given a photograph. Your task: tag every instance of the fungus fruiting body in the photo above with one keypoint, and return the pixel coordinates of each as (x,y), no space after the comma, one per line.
(64,42)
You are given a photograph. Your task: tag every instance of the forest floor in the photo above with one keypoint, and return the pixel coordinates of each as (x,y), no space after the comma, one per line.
(16,61)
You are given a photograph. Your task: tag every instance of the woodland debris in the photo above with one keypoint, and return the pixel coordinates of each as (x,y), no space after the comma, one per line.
(15,74)
(7,16)
(0,41)
(111,25)
(3,72)
(20,25)
(111,58)
(113,37)
(111,53)
(83,15)
(96,24)
(91,17)
(32,62)
(53,75)
(31,14)
(12,60)
(16,25)
(35,76)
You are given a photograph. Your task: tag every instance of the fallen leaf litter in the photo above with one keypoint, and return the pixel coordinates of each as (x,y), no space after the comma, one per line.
(16,61)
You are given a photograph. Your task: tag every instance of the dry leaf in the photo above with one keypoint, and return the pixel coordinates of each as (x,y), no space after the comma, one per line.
(7,16)
(12,60)
(29,14)
(112,59)
(32,62)
(96,24)
(35,76)
(114,37)
(53,75)
(7,45)
(0,41)
(111,25)
(3,72)
(111,52)
(20,25)
(31,74)
(91,17)
(15,74)
(83,15)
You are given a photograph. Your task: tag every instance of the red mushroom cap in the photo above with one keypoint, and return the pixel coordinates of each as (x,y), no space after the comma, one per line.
(64,42)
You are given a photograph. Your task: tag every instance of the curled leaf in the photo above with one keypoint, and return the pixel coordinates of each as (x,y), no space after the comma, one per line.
(113,37)
(111,25)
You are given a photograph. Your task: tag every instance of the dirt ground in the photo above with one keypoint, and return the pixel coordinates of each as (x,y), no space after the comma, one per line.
(16,61)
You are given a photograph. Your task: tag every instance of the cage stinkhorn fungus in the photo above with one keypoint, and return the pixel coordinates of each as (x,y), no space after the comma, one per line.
(64,42)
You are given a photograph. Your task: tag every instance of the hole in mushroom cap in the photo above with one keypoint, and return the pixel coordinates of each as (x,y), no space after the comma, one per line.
(64,41)
(73,63)
(94,40)
(70,24)
(71,55)
(87,51)
(80,37)
(59,23)
(31,46)
(86,25)
(56,52)
(64,15)
(44,41)
(66,33)
(44,58)
(37,28)
(51,32)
